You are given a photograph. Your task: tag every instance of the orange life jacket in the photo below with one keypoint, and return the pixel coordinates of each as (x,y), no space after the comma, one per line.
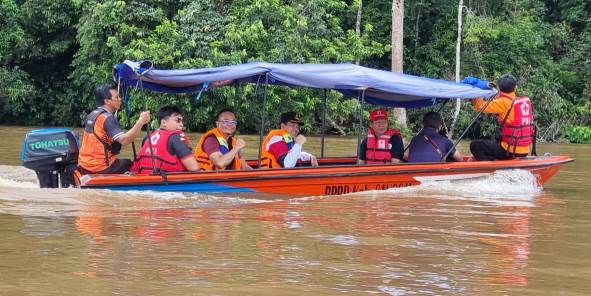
(163,159)
(268,160)
(378,148)
(205,164)
(519,131)
(98,149)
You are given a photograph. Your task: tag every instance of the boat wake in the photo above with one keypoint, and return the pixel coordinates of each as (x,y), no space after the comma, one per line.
(508,187)
(20,195)
(17,177)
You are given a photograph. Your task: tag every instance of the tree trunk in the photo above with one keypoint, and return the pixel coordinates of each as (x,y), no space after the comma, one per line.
(417,22)
(358,23)
(458,49)
(398,51)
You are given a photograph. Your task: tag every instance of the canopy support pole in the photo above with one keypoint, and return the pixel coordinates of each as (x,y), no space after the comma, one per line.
(237,89)
(361,102)
(323,123)
(534,140)
(148,129)
(263,117)
(443,158)
(128,113)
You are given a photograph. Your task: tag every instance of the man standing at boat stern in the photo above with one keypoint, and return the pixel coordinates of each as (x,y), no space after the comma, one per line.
(383,144)
(219,149)
(103,136)
(515,117)
(282,148)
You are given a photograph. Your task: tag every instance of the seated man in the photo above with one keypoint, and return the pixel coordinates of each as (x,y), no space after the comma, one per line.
(429,145)
(172,152)
(218,149)
(382,145)
(103,137)
(515,117)
(283,147)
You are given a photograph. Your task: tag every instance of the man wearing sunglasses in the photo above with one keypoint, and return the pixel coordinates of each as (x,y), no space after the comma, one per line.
(219,149)
(103,136)
(171,148)
(282,148)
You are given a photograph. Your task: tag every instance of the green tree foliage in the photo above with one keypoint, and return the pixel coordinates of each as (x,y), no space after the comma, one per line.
(12,36)
(53,53)
(15,84)
(37,45)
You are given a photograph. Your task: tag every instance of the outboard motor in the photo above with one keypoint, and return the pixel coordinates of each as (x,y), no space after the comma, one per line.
(53,154)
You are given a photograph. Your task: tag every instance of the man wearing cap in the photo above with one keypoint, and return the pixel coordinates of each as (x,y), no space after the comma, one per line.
(515,117)
(282,148)
(382,145)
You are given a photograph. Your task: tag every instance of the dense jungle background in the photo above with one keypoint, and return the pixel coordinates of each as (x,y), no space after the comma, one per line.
(53,53)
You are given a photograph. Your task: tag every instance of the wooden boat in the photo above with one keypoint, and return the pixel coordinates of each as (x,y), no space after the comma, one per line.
(333,176)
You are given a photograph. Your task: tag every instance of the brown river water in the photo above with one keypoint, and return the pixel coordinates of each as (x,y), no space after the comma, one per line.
(501,235)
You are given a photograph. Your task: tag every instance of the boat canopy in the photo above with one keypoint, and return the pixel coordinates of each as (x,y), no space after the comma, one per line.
(378,87)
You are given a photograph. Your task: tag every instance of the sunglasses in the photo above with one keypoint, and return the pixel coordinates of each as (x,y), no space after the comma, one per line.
(229,122)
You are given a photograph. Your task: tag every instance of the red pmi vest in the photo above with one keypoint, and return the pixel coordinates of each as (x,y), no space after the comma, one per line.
(520,131)
(163,159)
(378,149)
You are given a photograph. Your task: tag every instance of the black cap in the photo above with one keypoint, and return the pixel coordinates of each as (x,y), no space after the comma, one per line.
(290,117)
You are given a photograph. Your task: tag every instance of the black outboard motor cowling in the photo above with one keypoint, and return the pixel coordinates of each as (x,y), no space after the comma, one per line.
(53,154)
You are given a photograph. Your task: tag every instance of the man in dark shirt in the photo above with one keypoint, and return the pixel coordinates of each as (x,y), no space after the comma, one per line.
(429,145)
(171,156)
(378,127)
(102,134)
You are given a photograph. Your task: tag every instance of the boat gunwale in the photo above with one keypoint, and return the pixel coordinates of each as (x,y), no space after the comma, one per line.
(105,181)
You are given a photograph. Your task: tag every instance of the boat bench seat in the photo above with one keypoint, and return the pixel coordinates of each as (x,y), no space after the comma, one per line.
(331,161)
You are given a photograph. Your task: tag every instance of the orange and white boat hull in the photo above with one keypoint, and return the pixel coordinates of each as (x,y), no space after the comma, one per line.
(340,177)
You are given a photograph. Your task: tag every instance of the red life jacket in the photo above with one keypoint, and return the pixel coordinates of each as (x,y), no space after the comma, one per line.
(163,160)
(378,148)
(520,131)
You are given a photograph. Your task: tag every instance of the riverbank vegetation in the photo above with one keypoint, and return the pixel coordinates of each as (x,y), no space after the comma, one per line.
(53,53)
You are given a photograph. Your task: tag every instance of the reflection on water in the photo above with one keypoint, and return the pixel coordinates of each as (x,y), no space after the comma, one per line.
(356,244)
(496,236)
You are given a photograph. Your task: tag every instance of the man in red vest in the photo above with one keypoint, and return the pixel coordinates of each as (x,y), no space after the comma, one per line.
(382,145)
(515,116)
(170,146)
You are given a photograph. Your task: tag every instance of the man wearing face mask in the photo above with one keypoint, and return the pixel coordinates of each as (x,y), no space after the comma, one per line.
(282,148)
(219,149)
(171,148)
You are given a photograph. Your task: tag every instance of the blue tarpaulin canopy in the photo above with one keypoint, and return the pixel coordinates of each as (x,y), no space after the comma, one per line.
(382,88)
